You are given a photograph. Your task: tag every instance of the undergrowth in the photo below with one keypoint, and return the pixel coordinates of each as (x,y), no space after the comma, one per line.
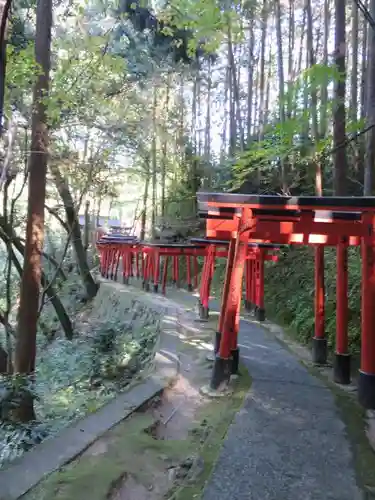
(289,293)
(75,378)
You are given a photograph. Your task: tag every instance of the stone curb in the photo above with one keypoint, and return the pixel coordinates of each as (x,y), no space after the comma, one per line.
(49,456)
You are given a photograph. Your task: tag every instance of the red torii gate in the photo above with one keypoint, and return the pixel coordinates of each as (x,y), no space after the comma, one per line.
(114,248)
(257,254)
(334,221)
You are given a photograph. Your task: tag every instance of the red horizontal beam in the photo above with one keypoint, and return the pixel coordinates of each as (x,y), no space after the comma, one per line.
(290,239)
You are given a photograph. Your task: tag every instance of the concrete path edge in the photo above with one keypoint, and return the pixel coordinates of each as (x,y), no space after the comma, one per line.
(31,468)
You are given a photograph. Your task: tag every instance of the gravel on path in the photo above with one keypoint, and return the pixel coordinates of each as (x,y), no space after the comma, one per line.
(288,441)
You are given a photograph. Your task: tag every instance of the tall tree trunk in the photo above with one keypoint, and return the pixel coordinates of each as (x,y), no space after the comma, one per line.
(207,128)
(370,115)
(223,148)
(324,88)
(280,66)
(232,113)
(250,81)
(236,90)
(25,349)
(290,57)
(154,165)
(314,99)
(340,160)
(145,199)
(164,160)
(354,69)
(4,14)
(62,186)
(268,87)
(262,71)
(363,91)
(87,227)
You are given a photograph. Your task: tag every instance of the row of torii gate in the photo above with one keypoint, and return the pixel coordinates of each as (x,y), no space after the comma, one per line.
(248,230)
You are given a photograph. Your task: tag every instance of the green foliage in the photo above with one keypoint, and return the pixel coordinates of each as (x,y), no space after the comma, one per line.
(16,439)
(76,377)
(22,72)
(289,293)
(292,141)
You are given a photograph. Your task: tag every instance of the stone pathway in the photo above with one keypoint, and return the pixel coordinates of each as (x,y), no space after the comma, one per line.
(288,442)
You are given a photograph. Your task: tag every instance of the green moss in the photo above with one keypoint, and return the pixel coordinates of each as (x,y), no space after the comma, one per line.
(217,416)
(93,477)
(131,450)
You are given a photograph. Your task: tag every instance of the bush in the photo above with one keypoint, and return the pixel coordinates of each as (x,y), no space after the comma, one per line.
(289,293)
(77,377)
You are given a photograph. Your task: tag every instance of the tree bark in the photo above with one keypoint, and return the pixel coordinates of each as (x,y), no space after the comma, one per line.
(87,226)
(250,81)
(324,88)
(262,71)
(4,10)
(314,100)
(91,287)
(370,114)
(290,56)
(25,349)
(145,199)
(280,67)
(154,165)
(354,69)
(340,160)
(207,129)
(236,91)
(164,160)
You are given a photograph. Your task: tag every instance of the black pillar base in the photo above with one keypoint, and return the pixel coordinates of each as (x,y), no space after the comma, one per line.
(200,308)
(190,287)
(220,373)
(217,342)
(174,282)
(260,314)
(366,390)
(319,351)
(206,313)
(248,306)
(341,369)
(125,280)
(147,287)
(203,312)
(235,361)
(143,284)
(156,288)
